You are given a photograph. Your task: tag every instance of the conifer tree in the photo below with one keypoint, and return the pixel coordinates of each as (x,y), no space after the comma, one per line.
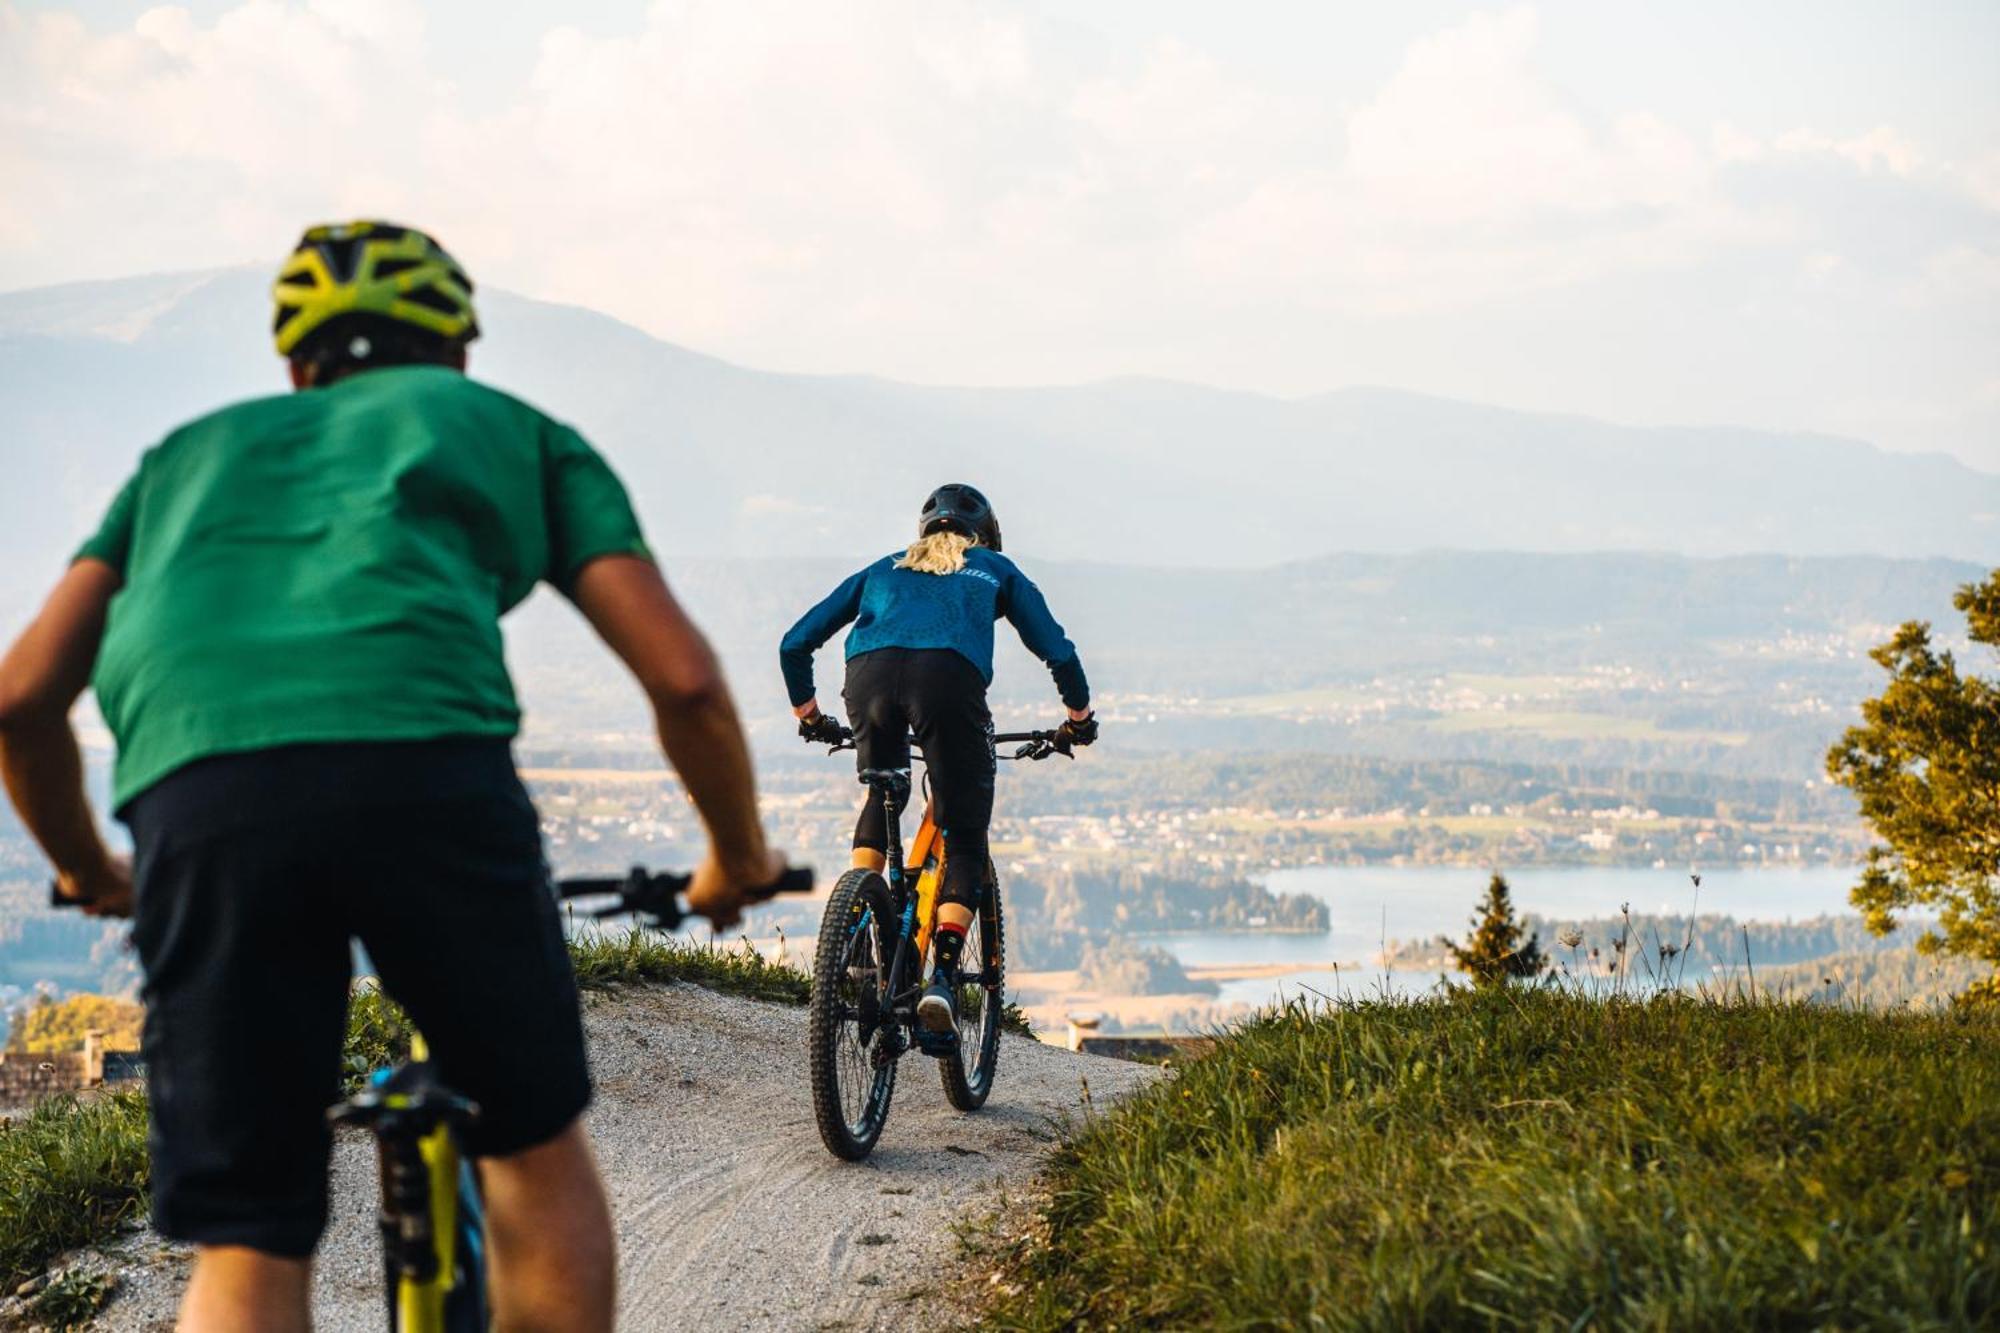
(1496,951)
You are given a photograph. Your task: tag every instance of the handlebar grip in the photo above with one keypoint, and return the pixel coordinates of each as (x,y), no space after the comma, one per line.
(591,888)
(795,879)
(658,895)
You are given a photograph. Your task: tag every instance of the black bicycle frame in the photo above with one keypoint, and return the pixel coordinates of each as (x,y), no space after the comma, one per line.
(895,786)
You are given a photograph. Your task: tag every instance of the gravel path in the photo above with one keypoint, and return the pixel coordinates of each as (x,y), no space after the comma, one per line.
(730,1213)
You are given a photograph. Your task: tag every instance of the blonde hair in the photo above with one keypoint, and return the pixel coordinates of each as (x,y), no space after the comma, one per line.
(942,552)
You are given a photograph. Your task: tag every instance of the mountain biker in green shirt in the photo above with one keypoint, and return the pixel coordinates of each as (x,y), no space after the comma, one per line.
(291,617)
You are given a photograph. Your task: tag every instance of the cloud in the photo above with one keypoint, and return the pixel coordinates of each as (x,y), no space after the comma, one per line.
(949,190)
(765,505)
(1465,179)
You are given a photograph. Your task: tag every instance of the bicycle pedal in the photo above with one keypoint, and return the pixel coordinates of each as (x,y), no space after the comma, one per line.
(938,1045)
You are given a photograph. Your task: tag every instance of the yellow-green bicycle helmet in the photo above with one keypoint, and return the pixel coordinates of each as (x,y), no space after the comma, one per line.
(371,268)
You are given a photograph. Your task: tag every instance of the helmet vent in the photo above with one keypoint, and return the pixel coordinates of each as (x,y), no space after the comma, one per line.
(433,299)
(340,256)
(389,268)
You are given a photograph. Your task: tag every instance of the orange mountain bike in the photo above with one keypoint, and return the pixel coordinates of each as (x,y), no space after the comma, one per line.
(874,959)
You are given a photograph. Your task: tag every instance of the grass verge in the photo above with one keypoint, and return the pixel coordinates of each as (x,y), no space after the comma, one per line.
(1529,1159)
(606,960)
(378,1032)
(72,1171)
(603,960)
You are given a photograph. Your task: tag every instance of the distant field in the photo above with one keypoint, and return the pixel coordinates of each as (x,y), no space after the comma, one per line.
(1296,701)
(1502,686)
(1333,697)
(1577,726)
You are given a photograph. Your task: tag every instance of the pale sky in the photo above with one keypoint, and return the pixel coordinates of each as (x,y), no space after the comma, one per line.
(1783,214)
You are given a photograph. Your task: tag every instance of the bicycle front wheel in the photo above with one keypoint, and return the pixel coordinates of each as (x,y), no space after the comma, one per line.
(852,1060)
(968,1072)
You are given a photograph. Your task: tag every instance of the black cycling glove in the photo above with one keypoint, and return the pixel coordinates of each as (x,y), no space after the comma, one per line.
(1073,733)
(822,729)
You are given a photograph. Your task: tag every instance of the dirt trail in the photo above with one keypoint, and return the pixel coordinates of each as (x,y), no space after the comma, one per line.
(730,1213)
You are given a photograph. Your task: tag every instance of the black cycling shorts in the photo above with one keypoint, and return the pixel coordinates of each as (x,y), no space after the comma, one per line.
(256,873)
(941,697)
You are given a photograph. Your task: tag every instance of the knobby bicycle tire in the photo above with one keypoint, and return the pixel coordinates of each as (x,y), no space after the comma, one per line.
(851,1088)
(967,1088)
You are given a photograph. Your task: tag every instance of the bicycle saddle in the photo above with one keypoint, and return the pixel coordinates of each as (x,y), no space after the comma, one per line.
(892,781)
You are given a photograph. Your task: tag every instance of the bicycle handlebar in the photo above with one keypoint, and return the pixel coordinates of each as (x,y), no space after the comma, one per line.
(640,892)
(657,896)
(1034,745)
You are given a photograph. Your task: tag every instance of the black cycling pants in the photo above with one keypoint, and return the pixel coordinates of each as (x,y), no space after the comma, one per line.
(940,696)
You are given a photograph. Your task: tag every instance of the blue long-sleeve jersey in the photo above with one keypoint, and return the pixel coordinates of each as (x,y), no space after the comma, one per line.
(902,608)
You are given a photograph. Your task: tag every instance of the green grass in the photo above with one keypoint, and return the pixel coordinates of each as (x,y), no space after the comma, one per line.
(72,1171)
(610,960)
(71,1300)
(378,1032)
(607,959)
(1537,1160)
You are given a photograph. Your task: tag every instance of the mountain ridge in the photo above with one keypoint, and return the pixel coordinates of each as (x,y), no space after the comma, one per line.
(189,279)
(731,460)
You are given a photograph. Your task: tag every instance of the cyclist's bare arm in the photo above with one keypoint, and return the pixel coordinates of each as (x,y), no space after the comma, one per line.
(628,604)
(41,678)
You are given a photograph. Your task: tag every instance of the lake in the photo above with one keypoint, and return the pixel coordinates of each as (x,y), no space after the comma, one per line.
(1370,904)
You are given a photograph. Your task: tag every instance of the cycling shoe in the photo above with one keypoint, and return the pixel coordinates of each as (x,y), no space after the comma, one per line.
(937,1011)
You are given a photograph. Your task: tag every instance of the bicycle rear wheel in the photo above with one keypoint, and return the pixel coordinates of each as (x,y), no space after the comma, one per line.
(968,1072)
(853,1074)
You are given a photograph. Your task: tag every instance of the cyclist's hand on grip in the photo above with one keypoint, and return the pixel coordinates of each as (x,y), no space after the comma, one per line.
(107,891)
(1073,733)
(822,729)
(721,892)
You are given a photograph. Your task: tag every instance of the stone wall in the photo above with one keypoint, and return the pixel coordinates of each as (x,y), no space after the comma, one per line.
(26,1079)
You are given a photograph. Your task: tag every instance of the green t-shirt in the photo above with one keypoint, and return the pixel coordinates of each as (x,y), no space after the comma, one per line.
(332,565)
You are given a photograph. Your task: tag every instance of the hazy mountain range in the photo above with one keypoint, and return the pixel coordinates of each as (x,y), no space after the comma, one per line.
(731,461)
(1746,665)
(1182,532)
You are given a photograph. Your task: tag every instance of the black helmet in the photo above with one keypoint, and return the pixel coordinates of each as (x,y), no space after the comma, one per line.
(960,508)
